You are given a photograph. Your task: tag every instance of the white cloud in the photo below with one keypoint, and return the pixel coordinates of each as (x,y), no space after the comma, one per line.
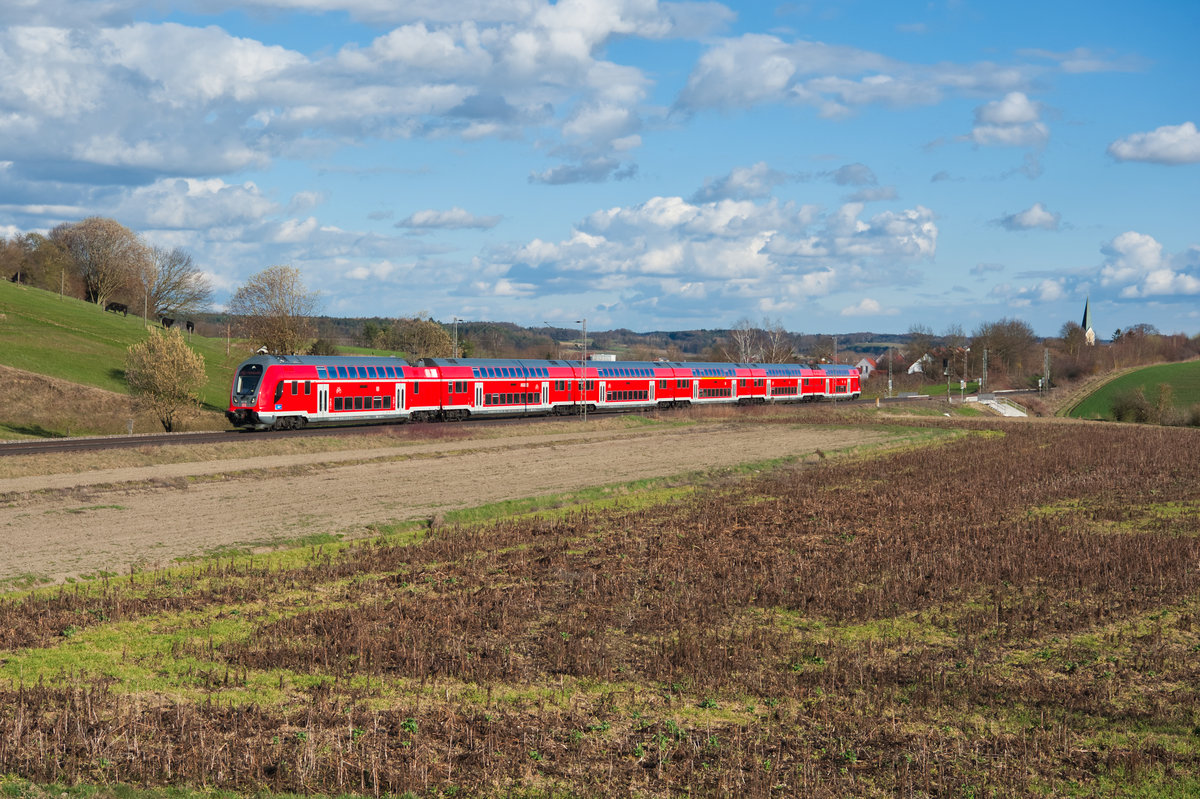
(866,307)
(1015,109)
(1170,144)
(1137,266)
(144,100)
(453,219)
(759,68)
(1031,218)
(1013,121)
(739,251)
(750,182)
(189,203)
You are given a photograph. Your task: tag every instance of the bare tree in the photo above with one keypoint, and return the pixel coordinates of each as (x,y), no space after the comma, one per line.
(172,285)
(920,341)
(106,255)
(742,345)
(778,345)
(274,310)
(165,376)
(1009,343)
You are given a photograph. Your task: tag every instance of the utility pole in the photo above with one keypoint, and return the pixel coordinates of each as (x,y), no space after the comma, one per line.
(583,367)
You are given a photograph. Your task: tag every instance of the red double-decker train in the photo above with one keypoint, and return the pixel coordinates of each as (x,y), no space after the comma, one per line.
(293,391)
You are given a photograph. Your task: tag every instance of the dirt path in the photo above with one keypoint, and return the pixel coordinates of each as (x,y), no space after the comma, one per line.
(59,526)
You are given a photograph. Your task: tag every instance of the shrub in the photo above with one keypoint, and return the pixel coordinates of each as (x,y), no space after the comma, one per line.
(1132,406)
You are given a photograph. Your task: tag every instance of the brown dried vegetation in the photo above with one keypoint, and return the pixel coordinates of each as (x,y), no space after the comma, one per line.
(1002,614)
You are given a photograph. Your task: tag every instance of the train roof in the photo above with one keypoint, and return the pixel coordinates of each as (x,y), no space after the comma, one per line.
(327,360)
(712,367)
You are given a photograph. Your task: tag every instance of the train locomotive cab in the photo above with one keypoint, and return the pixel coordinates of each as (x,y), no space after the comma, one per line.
(243,402)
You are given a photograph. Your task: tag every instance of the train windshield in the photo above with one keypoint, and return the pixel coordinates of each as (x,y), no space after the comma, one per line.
(247,379)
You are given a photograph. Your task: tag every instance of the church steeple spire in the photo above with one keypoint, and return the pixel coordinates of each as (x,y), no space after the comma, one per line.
(1089,335)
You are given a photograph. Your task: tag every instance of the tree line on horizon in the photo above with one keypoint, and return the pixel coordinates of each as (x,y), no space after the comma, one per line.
(100,260)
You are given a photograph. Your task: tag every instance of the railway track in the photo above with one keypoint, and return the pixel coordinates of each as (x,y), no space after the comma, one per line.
(42,446)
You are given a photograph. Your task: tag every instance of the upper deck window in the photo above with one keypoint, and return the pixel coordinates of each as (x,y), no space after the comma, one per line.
(248,377)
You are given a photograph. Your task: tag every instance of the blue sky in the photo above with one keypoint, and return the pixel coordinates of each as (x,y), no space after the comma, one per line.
(832,166)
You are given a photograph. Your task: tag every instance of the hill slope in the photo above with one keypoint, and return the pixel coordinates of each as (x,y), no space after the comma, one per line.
(1182,378)
(77,342)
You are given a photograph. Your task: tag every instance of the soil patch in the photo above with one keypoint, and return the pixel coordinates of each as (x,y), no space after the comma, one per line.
(63,525)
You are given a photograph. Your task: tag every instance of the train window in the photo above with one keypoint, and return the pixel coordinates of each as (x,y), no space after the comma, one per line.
(307,386)
(321,375)
(416,387)
(337,403)
(341,370)
(379,402)
(387,403)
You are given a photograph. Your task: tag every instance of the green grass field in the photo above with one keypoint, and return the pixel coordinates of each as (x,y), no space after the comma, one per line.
(1183,378)
(77,341)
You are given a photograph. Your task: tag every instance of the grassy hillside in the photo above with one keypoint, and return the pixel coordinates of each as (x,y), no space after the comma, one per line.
(78,342)
(1183,378)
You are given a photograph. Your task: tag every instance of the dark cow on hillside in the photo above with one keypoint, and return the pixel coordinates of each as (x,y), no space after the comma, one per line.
(166,322)
(18,276)
(118,307)
(191,326)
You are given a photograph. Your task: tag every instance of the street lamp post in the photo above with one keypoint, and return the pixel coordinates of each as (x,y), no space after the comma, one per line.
(456,321)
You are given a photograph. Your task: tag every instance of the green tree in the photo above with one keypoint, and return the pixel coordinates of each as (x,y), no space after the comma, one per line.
(274,310)
(165,376)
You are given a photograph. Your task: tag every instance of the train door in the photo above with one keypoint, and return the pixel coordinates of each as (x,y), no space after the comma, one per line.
(400,397)
(479,395)
(651,394)
(322,399)
(768,396)
(733,387)
(601,397)
(545,393)
(695,389)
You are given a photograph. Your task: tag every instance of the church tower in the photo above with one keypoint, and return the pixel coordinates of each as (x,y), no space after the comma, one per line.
(1089,335)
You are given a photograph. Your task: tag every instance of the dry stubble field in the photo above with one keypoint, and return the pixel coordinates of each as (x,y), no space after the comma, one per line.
(992,609)
(61,517)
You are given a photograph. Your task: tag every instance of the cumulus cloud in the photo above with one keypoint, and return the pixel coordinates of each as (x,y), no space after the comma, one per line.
(595,170)
(750,252)
(853,175)
(742,183)
(1170,144)
(110,101)
(1013,121)
(454,219)
(1137,266)
(1036,217)
(756,68)
(866,307)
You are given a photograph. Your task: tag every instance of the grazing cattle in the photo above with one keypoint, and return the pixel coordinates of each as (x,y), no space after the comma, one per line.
(167,322)
(118,307)
(191,326)
(18,276)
